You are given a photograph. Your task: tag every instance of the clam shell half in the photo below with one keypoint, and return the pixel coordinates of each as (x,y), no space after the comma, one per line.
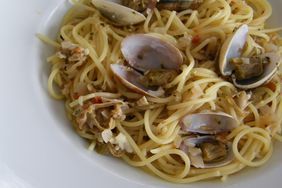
(119,15)
(130,78)
(144,52)
(208,123)
(232,48)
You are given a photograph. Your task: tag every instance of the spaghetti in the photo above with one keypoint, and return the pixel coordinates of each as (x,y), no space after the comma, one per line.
(144,131)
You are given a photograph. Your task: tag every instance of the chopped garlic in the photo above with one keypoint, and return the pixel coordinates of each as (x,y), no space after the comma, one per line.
(142,101)
(68,45)
(107,135)
(122,142)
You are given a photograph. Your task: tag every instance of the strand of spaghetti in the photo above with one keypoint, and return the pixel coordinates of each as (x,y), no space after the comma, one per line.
(256,114)
(115,52)
(48,41)
(259,34)
(201,81)
(266,12)
(172,169)
(236,131)
(190,103)
(65,32)
(203,72)
(103,55)
(178,114)
(147,21)
(159,18)
(160,100)
(114,34)
(203,44)
(247,16)
(132,124)
(149,165)
(267,147)
(249,47)
(173,161)
(214,89)
(185,74)
(246,146)
(92,52)
(82,99)
(170,20)
(191,19)
(51,89)
(160,140)
(267,100)
(176,80)
(181,27)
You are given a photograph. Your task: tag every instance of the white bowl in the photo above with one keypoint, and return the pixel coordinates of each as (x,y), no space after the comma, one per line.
(38,147)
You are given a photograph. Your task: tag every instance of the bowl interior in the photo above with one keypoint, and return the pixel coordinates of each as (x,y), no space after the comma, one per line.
(55,110)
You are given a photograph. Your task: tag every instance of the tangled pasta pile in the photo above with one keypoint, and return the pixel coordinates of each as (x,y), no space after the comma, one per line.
(147,131)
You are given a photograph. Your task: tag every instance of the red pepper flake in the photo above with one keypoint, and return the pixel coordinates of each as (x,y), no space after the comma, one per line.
(75,96)
(196,39)
(271,86)
(96,100)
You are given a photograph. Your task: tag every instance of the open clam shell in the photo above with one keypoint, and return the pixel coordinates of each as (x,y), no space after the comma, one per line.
(130,78)
(144,52)
(192,146)
(119,15)
(208,123)
(269,71)
(232,48)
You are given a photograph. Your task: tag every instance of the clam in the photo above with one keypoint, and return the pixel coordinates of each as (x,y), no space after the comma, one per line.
(208,123)
(119,15)
(144,52)
(178,5)
(152,64)
(246,72)
(207,151)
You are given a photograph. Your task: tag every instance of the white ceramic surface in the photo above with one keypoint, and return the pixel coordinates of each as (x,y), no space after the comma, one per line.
(38,148)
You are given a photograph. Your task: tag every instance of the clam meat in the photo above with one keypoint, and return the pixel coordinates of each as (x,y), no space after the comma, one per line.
(177,5)
(207,151)
(206,144)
